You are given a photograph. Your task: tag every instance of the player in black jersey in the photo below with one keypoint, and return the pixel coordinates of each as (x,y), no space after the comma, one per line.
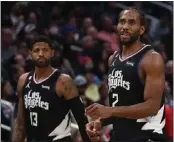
(136,85)
(46,98)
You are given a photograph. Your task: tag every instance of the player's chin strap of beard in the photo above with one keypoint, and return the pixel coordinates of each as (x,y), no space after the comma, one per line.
(78,110)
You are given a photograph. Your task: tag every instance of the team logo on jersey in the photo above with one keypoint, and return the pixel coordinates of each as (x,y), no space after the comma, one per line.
(115,79)
(30,78)
(46,87)
(33,99)
(129,63)
(28,85)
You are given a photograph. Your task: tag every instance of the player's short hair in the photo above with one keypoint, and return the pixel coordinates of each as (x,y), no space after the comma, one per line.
(41,38)
(141,13)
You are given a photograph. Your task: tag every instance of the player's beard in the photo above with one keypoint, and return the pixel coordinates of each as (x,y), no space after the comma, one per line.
(132,40)
(42,64)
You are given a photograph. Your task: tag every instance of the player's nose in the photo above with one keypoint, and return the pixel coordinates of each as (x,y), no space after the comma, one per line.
(40,53)
(125,26)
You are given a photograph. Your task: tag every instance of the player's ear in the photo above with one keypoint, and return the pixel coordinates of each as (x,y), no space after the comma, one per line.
(142,30)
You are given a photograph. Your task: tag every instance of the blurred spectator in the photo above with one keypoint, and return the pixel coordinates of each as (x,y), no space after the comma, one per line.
(169,74)
(56,14)
(107,33)
(60,62)
(102,67)
(81,83)
(167,40)
(7,49)
(103,90)
(93,32)
(31,25)
(19,60)
(159,47)
(17,19)
(87,23)
(53,30)
(6,120)
(89,47)
(146,38)
(24,50)
(168,95)
(138,5)
(7,92)
(91,92)
(162,27)
(17,72)
(88,42)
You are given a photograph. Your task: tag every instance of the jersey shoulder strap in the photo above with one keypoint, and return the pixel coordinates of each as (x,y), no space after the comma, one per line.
(115,55)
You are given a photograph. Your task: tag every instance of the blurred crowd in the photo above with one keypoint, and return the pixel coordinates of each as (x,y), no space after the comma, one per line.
(84,36)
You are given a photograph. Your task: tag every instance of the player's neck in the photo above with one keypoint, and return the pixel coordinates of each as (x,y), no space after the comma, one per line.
(41,73)
(131,49)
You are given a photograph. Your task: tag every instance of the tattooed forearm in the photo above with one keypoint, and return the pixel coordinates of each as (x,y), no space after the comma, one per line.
(18,134)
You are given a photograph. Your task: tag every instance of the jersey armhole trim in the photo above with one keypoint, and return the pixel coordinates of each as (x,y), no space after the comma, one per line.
(138,67)
(114,56)
(25,82)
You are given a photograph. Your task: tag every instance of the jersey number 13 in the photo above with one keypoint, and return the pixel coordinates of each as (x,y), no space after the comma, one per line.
(33,118)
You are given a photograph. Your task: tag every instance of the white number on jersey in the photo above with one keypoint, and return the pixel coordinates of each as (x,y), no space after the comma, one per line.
(33,118)
(115,96)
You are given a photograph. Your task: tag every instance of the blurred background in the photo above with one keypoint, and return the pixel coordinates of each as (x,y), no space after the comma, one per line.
(84,36)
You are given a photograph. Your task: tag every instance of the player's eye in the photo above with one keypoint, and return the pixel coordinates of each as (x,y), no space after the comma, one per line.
(45,49)
(122,21)
(36,50)
(131,22)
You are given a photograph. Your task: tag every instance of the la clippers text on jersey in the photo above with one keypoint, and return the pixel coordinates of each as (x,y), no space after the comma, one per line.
(125,89)
(41,102)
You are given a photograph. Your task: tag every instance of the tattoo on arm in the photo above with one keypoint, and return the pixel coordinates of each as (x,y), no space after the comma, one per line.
(69,86)
(70,89)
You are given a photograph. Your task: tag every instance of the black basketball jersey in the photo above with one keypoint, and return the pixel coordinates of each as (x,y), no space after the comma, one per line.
(47,116)
(125,89)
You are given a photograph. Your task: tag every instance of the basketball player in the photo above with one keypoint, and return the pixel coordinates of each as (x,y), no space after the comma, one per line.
(45,99)
(136,85)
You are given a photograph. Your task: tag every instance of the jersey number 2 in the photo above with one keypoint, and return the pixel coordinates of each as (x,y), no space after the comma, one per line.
(33,118)
(115,96)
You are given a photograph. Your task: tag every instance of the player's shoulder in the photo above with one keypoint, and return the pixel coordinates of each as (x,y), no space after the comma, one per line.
(24,76)
(111,58)
(153,61)
(152,57)
(22,79)
(62,82)
(64,79)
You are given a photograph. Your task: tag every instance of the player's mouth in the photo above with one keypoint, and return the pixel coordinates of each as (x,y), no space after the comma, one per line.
(41,60)
(125,35)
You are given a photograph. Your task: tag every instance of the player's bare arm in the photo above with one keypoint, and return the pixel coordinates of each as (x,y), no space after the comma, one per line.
(67,89)
(153,68)
(18,134)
